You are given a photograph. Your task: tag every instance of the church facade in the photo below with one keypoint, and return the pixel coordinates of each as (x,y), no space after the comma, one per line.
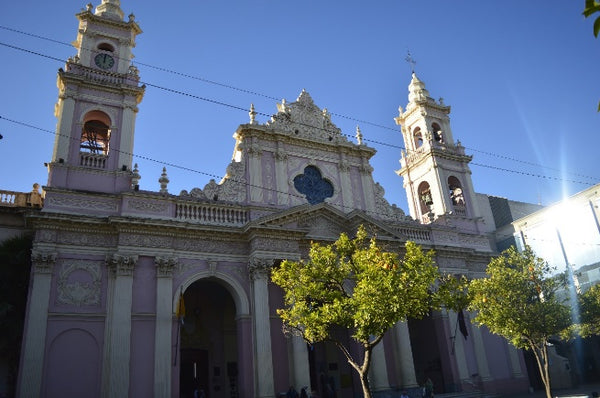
(112,264)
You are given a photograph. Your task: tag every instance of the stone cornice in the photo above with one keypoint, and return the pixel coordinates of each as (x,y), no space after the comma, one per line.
(130,25)
(245,131)
(101,85)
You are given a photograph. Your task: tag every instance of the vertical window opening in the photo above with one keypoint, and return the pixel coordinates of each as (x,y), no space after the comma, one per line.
(95,137)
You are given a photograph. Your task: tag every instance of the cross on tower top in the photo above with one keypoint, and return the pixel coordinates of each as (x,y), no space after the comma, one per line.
(411,61)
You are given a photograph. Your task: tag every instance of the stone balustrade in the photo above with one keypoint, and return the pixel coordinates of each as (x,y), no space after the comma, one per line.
(415,234)
(100,76)
(20,199)
(215,214)
(93,160)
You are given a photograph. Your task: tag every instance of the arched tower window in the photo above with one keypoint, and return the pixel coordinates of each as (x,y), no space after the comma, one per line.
(437,133)
(457,195)
(95,134)
(418,137)
(106,47)
(425,198)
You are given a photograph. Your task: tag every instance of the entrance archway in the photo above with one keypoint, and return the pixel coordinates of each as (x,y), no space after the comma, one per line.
(209,352)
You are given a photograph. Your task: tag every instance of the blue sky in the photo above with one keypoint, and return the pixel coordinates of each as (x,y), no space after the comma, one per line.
(521,77)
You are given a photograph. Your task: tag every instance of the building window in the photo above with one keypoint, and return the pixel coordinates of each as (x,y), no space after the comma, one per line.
(95,134)
(313,185)
(418,138)
(438,135)
(457,196)
(425,198)
(95,137)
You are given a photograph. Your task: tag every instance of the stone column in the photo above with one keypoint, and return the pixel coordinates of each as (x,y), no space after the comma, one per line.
(300,363)
(367,181)
(378,372)
(164,325)
(515,362)
(34,342)
(64,128)
(482,362)
(118,338)
(255,173)
(406,364)
(259,273)
(281,177)
(346,182)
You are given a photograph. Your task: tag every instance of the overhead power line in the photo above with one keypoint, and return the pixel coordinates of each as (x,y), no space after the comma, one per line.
(221,103)
(256,93)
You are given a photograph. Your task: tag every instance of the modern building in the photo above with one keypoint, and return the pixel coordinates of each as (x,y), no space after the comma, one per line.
(111,261)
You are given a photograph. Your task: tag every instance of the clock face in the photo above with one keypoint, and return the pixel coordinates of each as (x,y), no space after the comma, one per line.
(104,61)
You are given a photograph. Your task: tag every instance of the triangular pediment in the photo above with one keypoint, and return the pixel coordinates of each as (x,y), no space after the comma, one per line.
(325,222)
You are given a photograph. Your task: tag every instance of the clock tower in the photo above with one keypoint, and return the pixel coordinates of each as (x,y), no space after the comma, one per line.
(98,99)
(435,169)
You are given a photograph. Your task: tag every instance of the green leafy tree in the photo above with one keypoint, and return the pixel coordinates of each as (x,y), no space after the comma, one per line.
(15,264)
(518,300)
(354,285)
(589,307)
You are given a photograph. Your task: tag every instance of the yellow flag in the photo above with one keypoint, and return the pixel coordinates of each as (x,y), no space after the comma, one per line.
(180,313)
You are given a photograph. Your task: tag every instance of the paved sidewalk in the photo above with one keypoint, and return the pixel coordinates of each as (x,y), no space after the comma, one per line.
(582,391)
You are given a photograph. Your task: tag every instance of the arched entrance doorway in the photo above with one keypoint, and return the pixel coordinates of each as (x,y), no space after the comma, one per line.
(209,351)
(427,356)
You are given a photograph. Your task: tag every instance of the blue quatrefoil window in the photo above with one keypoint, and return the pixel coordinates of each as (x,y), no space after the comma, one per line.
(313,185)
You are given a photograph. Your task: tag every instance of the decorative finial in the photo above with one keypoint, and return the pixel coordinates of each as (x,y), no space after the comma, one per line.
(135,177)
(442,101)
(89,7)
(252,114)
(411,61)
(131,17)
(359,136)
(163,180)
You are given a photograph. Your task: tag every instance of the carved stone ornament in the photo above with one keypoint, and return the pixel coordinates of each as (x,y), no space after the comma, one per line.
(79,292)
(147,206)
(43,261)
(82,203)
(121,265)
(383,208)
(259,268)
(304,119)
(165,266)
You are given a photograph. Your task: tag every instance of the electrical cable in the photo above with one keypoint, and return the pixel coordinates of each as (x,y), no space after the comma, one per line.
(179,92)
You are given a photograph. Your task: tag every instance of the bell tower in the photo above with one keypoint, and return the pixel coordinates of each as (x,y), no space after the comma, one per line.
(98,97)
(434,168)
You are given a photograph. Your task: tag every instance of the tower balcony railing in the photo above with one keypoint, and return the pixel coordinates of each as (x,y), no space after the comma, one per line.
(460,210)
(101,76)
(92,160)
(205,213)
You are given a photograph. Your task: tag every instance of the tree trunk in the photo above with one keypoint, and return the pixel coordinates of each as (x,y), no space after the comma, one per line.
(541,357)
(546,370)
(364,381)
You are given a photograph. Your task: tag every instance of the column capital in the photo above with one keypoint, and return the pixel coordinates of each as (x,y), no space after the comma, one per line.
(165,266)
(43,261)
(259,268)
(120,264)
